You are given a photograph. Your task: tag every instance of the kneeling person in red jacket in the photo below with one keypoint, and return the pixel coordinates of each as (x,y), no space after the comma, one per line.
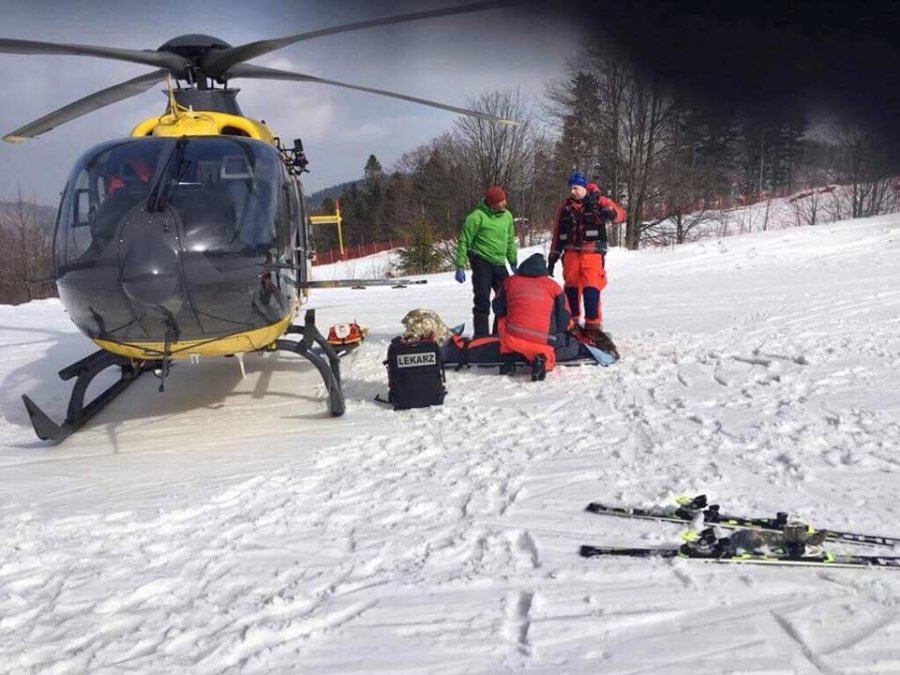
(532,311)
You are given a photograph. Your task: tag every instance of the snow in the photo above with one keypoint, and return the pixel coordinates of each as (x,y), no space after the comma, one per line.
(231,525)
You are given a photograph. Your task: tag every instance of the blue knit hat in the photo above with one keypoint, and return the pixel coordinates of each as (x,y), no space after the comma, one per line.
(577,178)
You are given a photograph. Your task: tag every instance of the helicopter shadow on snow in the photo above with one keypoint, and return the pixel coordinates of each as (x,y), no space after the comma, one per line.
(210,384)
(213,388)
(38,377)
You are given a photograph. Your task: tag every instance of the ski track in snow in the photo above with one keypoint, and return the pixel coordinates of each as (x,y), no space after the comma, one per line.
(232,526)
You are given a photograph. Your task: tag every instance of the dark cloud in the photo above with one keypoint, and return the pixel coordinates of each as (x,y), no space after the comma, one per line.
(764,56)
(767,55)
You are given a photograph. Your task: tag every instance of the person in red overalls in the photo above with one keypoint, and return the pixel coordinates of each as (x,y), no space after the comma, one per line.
(579,237)
(133,168)
(532,312)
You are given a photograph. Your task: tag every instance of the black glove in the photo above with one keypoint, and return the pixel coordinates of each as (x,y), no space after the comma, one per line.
(590,200)
(607,214)
(552,259)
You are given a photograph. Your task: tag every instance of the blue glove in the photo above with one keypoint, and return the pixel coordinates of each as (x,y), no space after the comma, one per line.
(460,275)
(514,268)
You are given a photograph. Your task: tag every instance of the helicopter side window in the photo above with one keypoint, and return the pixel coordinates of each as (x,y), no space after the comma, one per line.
(287,211)
(82,211)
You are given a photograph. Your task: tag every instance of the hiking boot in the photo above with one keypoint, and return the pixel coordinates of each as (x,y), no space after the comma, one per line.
(538,369)
(508,367)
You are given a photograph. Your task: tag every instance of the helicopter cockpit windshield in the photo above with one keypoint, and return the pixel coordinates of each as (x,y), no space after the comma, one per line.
(221,190)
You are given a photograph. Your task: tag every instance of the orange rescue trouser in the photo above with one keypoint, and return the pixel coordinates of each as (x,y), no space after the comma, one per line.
(515,344)
(584,273)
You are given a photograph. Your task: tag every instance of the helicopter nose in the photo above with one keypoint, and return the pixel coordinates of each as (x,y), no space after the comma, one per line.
(150,262)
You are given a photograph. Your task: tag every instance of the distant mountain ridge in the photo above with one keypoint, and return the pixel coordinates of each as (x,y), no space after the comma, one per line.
(315,199)
(47,214)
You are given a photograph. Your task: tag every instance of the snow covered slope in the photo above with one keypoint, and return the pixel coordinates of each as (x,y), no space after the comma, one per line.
(230,525)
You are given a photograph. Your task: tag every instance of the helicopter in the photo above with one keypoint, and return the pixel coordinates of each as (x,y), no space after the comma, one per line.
(191,236)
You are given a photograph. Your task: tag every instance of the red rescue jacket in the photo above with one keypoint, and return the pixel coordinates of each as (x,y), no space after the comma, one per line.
(532,306)
(577,228)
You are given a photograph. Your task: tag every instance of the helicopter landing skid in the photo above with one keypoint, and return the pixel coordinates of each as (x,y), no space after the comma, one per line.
(78,413)
(329,369)
(327,363)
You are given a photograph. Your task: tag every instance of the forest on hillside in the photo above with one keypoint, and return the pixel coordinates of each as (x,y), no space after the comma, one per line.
(667,160)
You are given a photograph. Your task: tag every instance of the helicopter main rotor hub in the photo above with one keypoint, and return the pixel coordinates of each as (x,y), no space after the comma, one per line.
(193,48)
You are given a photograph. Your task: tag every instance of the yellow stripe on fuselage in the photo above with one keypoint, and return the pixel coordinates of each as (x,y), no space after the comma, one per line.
(246,341)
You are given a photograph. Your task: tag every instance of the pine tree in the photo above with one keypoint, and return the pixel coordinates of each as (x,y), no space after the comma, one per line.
(421,256)
(372,218)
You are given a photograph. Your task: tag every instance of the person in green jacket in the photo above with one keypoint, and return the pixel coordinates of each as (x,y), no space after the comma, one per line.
(487,241)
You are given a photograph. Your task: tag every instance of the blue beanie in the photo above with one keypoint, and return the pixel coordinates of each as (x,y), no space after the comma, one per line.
(577,178)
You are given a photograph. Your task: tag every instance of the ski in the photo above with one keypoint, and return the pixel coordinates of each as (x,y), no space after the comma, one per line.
(814,560)
(361,284)
(707,547)
(690,508)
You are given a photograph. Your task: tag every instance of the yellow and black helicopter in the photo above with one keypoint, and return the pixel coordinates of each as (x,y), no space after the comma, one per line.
(191,236)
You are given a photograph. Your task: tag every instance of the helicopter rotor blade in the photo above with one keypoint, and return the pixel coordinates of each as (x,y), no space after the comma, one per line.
(146,57)
(220,62)
(95,101)
(247,70)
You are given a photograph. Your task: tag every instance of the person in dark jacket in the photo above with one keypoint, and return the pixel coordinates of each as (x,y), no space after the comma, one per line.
(580,237)
(487,242)
(532,314)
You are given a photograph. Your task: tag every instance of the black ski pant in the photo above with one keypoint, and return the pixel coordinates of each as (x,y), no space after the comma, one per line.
(486,277)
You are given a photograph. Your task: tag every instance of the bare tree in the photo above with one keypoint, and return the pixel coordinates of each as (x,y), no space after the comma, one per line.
(497,154)
(25,252)
(646,110)
(629,117)
(864,169)
(807,207)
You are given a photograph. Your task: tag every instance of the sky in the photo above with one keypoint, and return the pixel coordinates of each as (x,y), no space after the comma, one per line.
(826,57)
(448,59)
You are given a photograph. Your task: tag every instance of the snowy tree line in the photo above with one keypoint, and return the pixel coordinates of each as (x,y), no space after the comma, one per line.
(25,251)
(676,167)
(673,164)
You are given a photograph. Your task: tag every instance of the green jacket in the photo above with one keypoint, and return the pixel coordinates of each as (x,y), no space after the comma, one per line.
(489,235)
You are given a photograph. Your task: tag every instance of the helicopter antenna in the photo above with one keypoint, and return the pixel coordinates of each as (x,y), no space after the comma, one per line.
(173,105)
(174,110)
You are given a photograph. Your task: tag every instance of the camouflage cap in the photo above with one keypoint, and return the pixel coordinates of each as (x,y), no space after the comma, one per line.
(425,324)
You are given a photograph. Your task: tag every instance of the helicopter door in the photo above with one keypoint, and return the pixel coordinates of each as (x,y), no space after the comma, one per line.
(303,253)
